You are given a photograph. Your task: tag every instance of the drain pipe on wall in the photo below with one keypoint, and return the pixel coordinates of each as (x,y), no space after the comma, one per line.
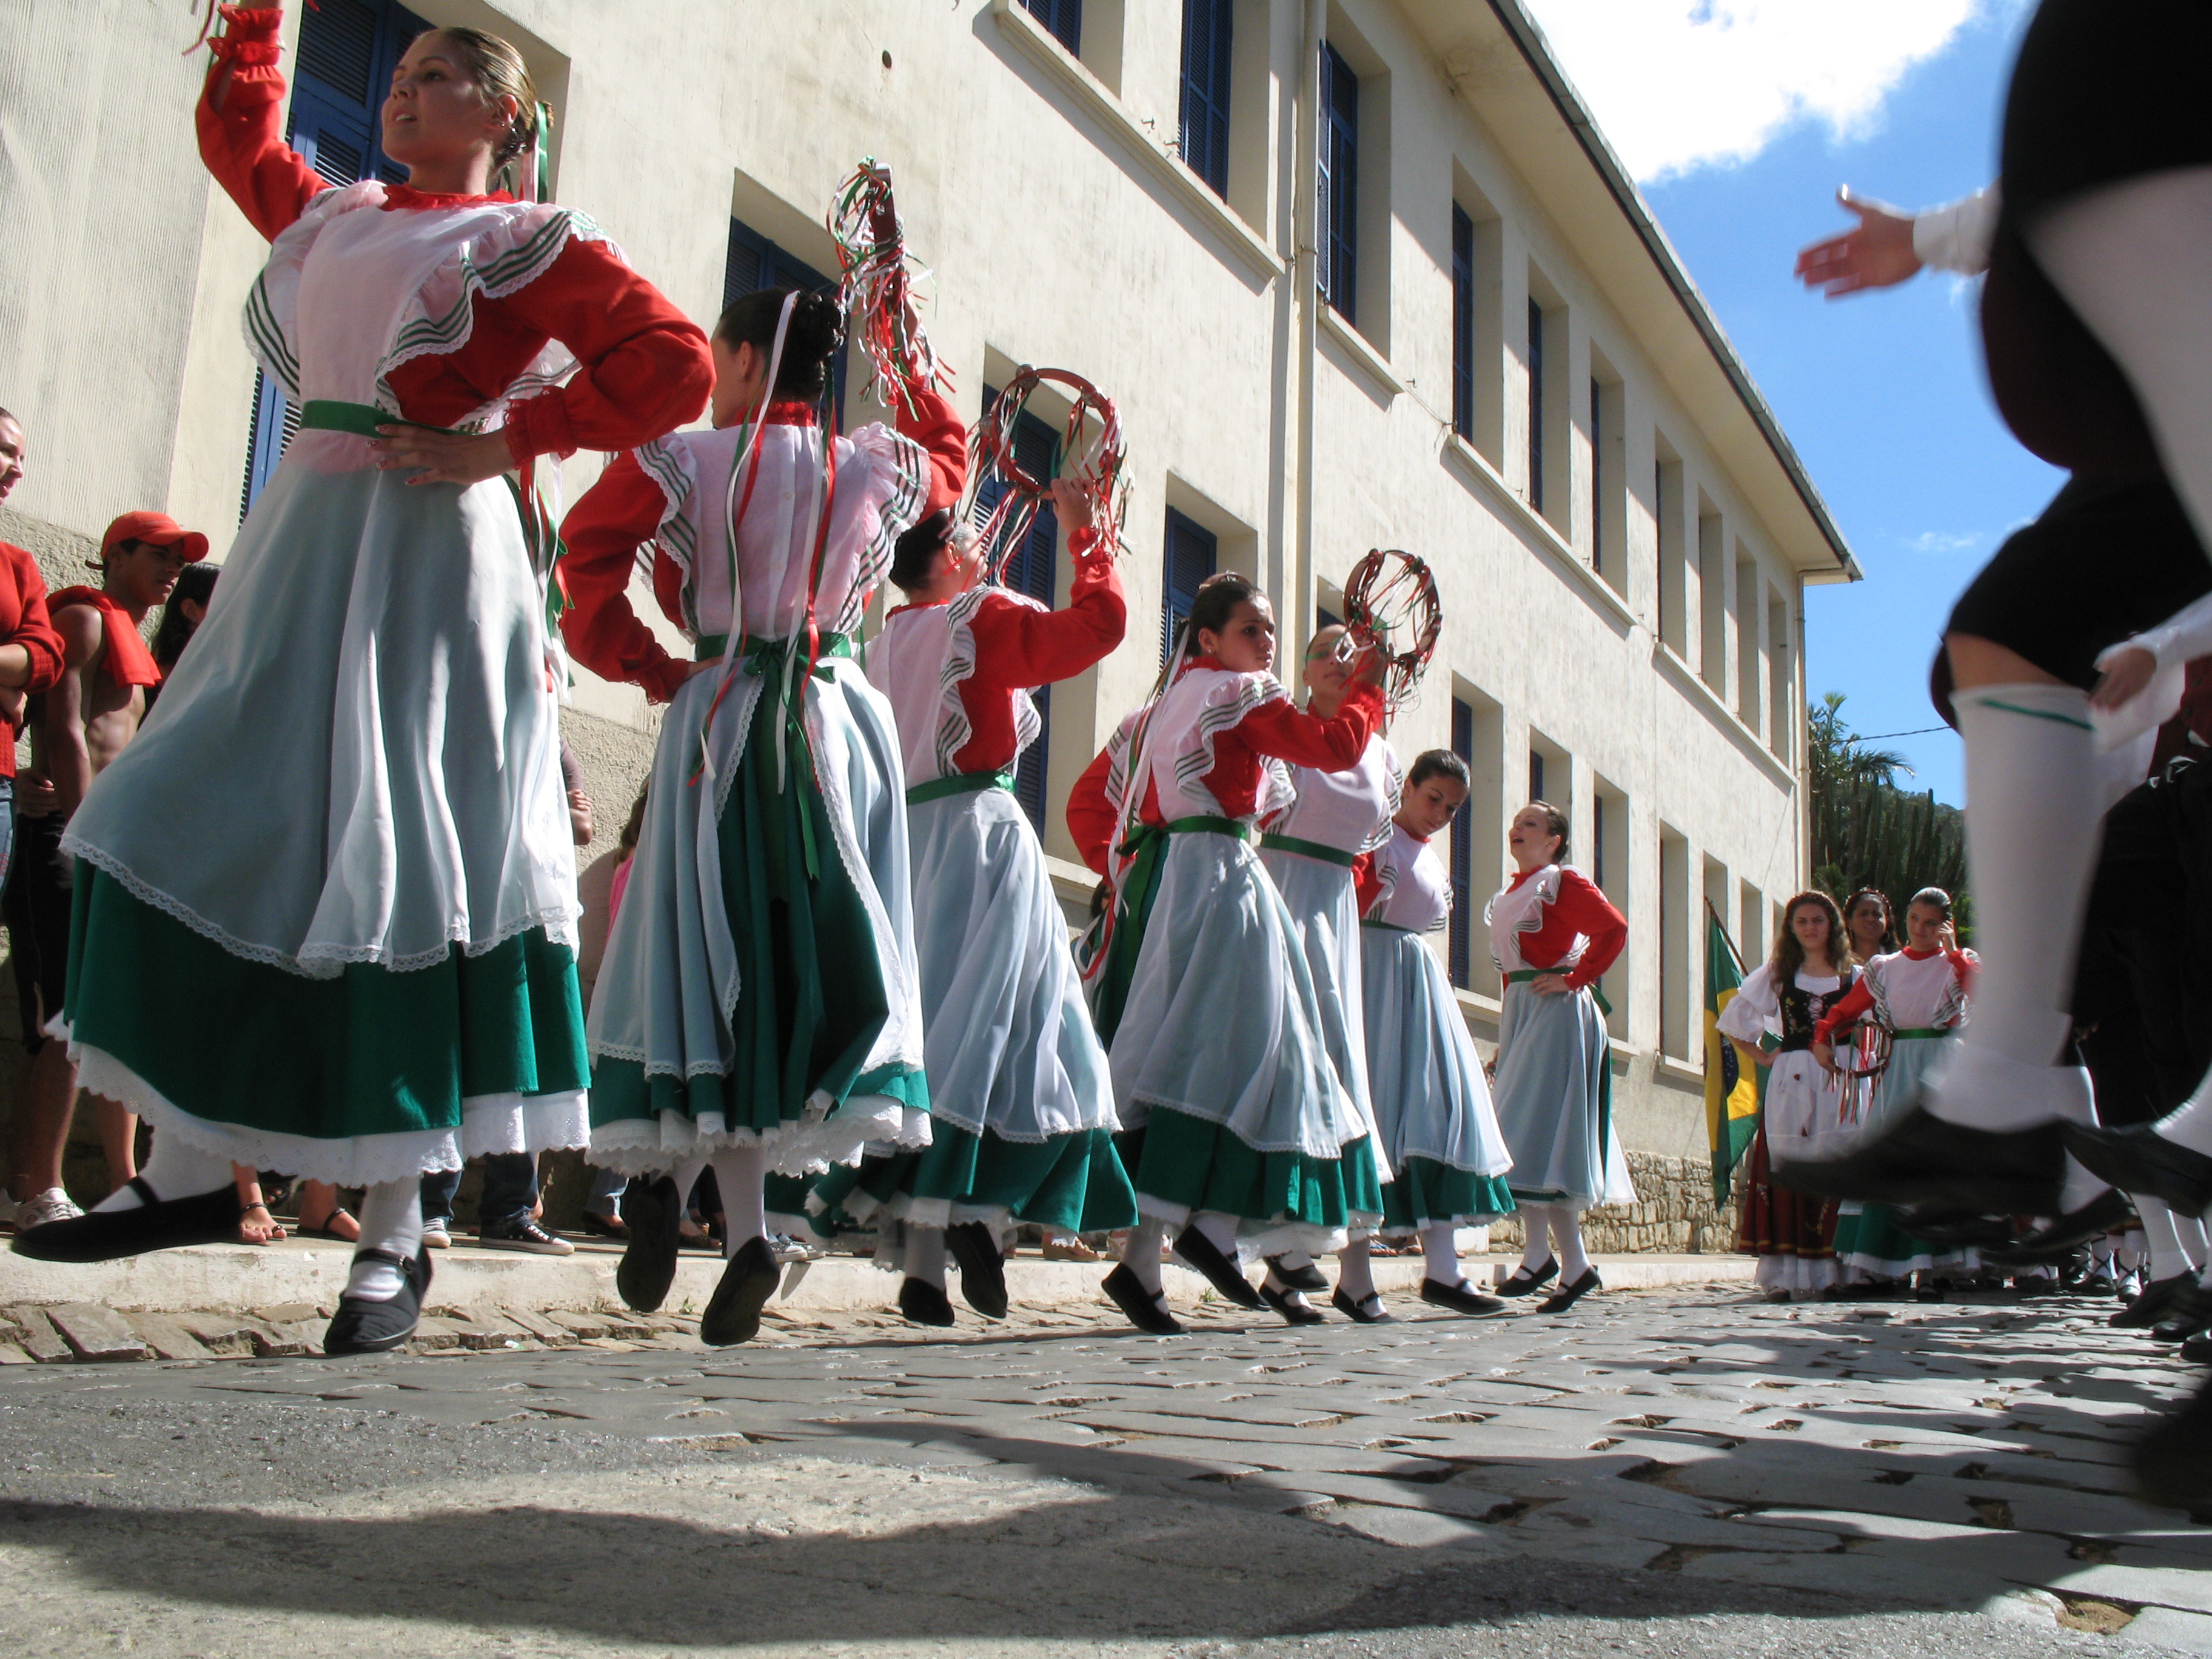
(1297,586)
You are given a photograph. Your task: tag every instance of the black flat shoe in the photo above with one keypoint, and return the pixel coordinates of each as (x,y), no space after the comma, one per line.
(983,1270)
(1368,1310)
(2198,1351)
(924,1304)
(1293,1313)
(1567,1295)
(1959,1230)
(1461,1297)
(2174,1462)
(655,1211)
(2153,1304)
(1520,1281)
(360,1326)
(1925,1160)
(2187,1314)
(2057,1239)
(603,1226)
(2135,1159)
(1309,1278)
(1139,1306)
(733,1311)
(1221,1271)
(158,1223)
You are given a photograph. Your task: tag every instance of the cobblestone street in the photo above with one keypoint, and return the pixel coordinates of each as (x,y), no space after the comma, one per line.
(1699,1472)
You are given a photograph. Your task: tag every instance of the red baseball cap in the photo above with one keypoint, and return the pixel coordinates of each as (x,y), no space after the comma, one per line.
(158,528)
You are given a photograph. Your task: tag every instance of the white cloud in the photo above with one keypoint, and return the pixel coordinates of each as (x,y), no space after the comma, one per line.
(1934,541)
(1678,84)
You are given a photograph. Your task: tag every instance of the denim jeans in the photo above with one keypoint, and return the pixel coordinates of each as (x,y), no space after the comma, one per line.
(510,1190)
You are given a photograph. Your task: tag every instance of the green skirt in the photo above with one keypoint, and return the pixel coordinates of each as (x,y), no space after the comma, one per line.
(1182,1164)
(370,1076)
(1428,1194)
(1071,1183)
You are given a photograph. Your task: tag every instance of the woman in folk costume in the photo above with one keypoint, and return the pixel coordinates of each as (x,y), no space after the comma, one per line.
(1552,935)
(345,815)
(1240,1131)
(1432,1104)
(1792,1234)
(1918,997)
(1021,1104)
(1309,848)
(758,1007)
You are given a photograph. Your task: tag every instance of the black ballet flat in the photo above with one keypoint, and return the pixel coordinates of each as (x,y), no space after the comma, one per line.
(2198,1351)
(2152,1304)
(1367,1310)
(158,1223)
(1293,1313)
(975,1248)
(924,1304)
(2188,1312)
(1567,1295)
(733,1311)
(1309,1278)
(1198,1252)
(2135,1159)
(360,1326)
(1139,1306)
(654,1210)
(1925,1160)
(1520,1281)
(1463,1297)
(2057,1239)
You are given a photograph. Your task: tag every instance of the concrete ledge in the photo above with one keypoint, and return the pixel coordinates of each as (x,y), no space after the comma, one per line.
(238,1276)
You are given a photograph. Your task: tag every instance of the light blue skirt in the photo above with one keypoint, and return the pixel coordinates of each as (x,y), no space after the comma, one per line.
(1553,1092)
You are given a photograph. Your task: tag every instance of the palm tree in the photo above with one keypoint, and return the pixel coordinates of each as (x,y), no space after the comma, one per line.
(1867,832)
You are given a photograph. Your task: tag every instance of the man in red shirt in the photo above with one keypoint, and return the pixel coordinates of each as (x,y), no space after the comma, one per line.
(30,661)
(80,726)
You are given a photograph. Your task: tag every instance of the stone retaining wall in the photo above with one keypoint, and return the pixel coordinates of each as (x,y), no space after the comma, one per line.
(1674,1213)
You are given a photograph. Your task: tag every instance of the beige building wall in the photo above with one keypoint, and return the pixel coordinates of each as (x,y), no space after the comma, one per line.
(1662,682)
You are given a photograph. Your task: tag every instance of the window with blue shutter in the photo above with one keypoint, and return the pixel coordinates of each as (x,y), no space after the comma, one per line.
(1029,570)
(1597,476)
(1535,776)
(1462,262)
(1462,852)
(1339,182)
(1189,559)
(348,49)
(1206,42)
(754,263)
(1063,17)
(1537,405)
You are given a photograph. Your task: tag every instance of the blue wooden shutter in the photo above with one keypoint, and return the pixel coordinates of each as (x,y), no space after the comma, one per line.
(1537,405)
(1029,570)
(1462,852)
(1339,182)
(1462,244)
(754,263)
(347,51)
(1597,478)
(1206,43)
(1190,552)
(1063,17)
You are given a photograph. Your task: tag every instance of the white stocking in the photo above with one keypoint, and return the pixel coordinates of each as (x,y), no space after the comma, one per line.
(1140,1252)
(1574,1261)
(1440,1245)
(925,1255)
(741,1172)
(1537,1224)
(391,1219)
(174,1168)
(1355,1273)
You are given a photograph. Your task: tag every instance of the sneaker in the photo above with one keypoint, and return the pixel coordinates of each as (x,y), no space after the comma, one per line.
(523,1233)
(52,1204)
(435,1238)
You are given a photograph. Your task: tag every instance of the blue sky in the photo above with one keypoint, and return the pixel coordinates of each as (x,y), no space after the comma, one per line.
(1882,393)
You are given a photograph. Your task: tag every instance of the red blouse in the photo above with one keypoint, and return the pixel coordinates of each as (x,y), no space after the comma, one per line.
(622,511)
(1280,730)
(24,622)
(1858,1002)
(643,368)
(1580,908)
(1091,816)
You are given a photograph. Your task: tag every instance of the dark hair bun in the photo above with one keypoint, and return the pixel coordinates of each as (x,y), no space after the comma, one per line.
(817,329)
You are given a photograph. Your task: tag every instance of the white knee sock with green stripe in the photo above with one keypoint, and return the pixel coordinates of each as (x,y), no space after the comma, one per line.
(2032,833)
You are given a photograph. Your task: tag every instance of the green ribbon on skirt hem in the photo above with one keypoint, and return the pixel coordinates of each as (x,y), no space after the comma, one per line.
(1185,1160)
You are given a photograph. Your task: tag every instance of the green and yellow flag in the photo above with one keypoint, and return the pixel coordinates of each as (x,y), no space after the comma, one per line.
(1731,1098)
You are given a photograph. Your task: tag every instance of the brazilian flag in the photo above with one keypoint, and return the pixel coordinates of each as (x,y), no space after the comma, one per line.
(1731,1098)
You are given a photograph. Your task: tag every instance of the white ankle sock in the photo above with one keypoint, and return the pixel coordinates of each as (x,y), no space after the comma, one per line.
(2190,1124)
(1536,1223)
(391,1219)
(1293,1259)
(686,1177)
(1355,1273)
(2162,1240)
(2189,1229)
(2131,1254)
(2030,847)
(925,1253)
(741,1173)
(1220,1231)
(1440,1245)
(174,1168)
(1574,1261)
(1140,1253)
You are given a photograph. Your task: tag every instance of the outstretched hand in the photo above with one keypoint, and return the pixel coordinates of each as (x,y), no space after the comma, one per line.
(2123,678)
(460,458)
(1071,505)
(1876,252)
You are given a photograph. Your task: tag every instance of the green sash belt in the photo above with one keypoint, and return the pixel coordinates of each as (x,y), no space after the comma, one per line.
(328,415)
(1199,824)
(1309,849)
(960,783)
(780,663)
(1139,886)
(1380,925)
(1523,976)
(1925,1032)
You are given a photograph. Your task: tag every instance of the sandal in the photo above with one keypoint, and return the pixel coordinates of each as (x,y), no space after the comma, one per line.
(328,1229)
(245,1220)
